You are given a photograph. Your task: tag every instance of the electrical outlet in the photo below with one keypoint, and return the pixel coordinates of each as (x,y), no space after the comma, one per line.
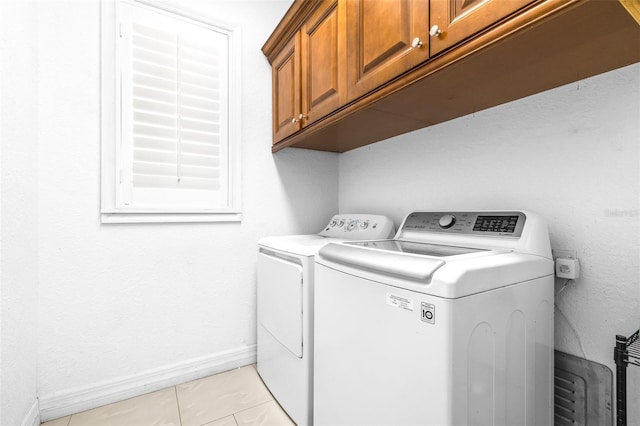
(567,268)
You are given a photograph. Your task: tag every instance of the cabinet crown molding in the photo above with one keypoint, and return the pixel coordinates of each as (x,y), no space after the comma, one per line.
(290,23)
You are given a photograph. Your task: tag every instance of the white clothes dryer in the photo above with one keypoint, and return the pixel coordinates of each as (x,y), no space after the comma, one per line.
(285,307)
(448,323)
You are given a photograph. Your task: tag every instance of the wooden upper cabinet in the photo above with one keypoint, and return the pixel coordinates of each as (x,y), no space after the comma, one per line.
(323,48)
(309,72)
(286,90)
(452,21)
(346,73)
(379,41)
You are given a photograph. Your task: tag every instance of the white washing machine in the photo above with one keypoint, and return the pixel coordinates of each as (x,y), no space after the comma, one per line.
(448,323)
(285,307)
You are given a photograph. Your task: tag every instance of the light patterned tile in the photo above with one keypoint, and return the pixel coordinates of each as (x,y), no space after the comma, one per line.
(157,408)
(227,421)
(219,396)
(62,421)
(268,414)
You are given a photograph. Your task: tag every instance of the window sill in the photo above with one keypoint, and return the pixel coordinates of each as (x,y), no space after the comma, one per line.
(169,217)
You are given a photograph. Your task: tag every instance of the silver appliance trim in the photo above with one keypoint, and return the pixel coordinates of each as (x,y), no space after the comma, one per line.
(414,267)
(413,247)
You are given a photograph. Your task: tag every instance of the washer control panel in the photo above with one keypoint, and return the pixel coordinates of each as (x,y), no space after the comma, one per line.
(359,227)
(503,224)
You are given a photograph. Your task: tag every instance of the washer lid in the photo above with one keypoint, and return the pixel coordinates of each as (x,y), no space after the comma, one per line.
(424,249)
(388,262)
(455,272)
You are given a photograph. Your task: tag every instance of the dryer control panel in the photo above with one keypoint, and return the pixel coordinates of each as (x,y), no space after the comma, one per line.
(359,227)
(503,224)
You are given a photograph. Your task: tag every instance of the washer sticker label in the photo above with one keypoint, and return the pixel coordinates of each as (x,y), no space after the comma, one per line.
(400,302)
(428,313)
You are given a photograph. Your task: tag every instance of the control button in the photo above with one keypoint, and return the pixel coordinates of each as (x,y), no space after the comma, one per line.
(340,223)
(364,225)
(447,221)
(351,225)
(333,223)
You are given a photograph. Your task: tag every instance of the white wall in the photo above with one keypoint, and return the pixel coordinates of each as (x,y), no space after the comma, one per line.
(571,154)
(18,207)
(120,301)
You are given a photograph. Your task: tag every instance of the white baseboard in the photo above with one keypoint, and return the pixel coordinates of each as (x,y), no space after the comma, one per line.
(33,415)
(84,398)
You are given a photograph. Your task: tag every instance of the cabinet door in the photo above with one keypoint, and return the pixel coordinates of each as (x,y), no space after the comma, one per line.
(323,48)
(459,19)
(286,90)
(379,41)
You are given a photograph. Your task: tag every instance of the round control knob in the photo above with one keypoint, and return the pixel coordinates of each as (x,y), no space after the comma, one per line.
(333,223)
(351,226)
(447,221)
(435,31)
(364,225)
(340,223)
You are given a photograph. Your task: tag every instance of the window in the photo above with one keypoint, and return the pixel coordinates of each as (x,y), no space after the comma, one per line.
(170,129)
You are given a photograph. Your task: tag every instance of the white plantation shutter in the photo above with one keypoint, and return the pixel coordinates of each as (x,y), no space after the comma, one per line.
(174,153)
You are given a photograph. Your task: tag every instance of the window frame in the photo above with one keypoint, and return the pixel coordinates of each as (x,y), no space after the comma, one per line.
(111,125)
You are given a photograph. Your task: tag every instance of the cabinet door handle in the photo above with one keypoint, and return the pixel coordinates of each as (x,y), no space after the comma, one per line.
(294,120)
(302,117)
(417,43)
(435,31)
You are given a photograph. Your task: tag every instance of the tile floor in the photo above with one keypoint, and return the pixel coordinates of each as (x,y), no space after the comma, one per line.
(233,398)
